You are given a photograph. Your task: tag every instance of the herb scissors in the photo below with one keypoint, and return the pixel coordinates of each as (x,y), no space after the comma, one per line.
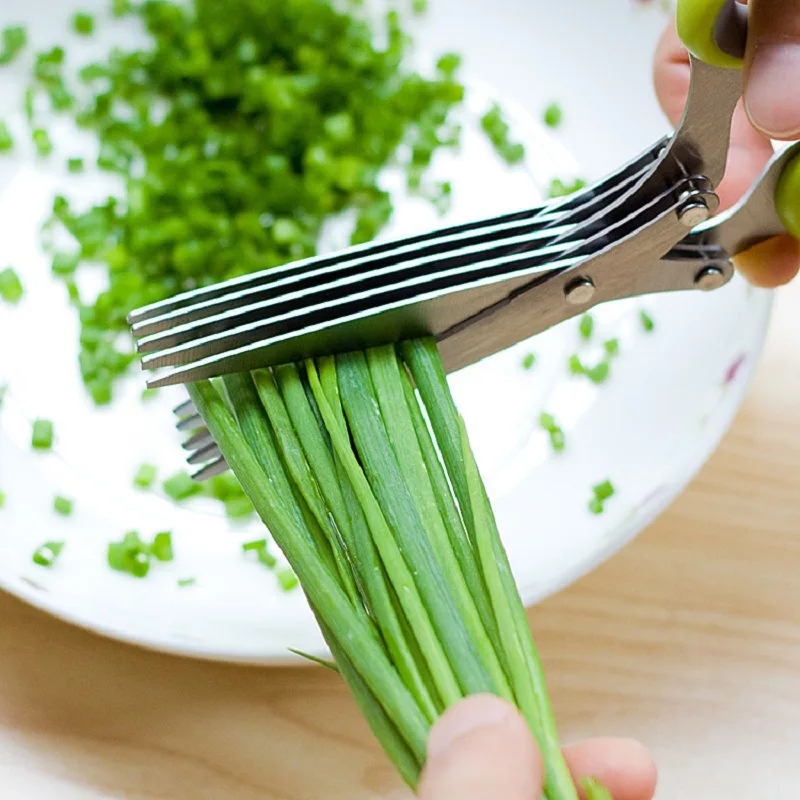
(478,288)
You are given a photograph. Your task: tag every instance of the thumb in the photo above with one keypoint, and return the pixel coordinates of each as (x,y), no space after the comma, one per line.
(482,749)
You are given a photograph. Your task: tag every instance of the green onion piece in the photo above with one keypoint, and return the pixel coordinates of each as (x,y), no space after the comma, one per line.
(259,544)
(75,165)
(64,264)
(42,435)
(145,476)
(139,564)
(559,188)
(83,23)
(149,394)
(13,40)
(548,422)
(604,490)
(599,373)
(596,506)
(119,8)
(10,286)
(161,548)
(184,582)
(498,131)
(611,346)
(266,558)
(558,440)
(528,360)
(575,365)
(62,506)
(6,140)
(2,499)
(586,326)
(287,579)
(42,143)
(647,322)
(46,554)
(553,115)
(129,555)
(181,486)
(239,508)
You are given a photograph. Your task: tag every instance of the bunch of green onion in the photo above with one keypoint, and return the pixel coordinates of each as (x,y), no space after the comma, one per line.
(360,467)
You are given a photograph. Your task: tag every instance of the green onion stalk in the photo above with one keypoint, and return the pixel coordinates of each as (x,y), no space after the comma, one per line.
(360,467)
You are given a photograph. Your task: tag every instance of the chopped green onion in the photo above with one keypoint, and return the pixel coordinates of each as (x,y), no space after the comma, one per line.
(498,131)
(13,40)
(586,326)
(556,435)
(528,360)
(647,322)
(611,346)
(130,555)
(2,499)
(42,143)
(119,8)
(83,23)
(161,548)
(42,435)
(184,582)
(46,554)
(259,544)
(553,115)
(596,506)
(547,421)
(149,394)
(145,476)
(599,373)
(181,486)
(75,165)
(64,264)
(603,490)
(287,579)
(6,140)
(10,286)
(559,188)
(62,506)
(239,508)
(575,364)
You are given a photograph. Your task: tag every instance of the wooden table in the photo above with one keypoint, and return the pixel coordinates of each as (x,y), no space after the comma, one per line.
(689,639)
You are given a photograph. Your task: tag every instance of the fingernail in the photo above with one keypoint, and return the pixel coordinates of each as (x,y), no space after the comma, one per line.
(772,99)
(468,716)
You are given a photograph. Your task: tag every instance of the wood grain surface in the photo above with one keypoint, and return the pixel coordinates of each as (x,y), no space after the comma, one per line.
(688,639)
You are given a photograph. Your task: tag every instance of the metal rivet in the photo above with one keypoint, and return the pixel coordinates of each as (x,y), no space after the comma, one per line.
(693,212)
(579,291)
(709,278)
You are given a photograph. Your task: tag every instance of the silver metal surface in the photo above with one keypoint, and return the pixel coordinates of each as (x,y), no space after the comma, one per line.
(481,287)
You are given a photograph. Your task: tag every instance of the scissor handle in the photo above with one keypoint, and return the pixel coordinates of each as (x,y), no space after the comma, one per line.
(715,31)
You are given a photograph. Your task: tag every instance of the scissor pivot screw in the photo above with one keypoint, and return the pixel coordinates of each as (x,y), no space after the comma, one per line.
(579,291)
(709,278)
(693,212)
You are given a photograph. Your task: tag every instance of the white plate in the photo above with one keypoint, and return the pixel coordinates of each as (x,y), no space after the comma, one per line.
(671,396)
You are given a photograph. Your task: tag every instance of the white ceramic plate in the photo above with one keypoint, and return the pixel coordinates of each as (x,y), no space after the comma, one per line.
(671,396)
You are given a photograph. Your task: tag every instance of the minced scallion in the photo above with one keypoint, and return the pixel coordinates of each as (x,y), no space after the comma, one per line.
(62,506)
(134,556)
(611,346)
(6,139)
(2,499)
(560,188)
(42,143)
(83,23)
(646,321)
(42,434)
(498,130)
(180,486)
(75,165)
(46,554)
(553,115)
(11,289)
(586,327)
(13,40)
(360,467)
(184,582)
(528,360)
(145,476)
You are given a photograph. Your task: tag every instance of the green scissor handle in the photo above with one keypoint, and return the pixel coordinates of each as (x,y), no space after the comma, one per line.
(715,31)
(787,197)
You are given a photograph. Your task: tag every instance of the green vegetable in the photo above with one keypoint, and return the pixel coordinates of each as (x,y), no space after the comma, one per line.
(83,23)
(161,548)
(42,143)
(62,506)
(576,366)
(239,508)
(498,131)
(259,138)
(181,486)
(287,579)
(10,286)
(42,435)
(599,373)
(2,499)
(553,115)
(586,326)
(603,490)
(371,491)
(75,165)
(548,423)
(611,346)
(64,264)
(528,360)
(13,40)
(559,188)
(6,140)
(46,554)
(145,476)
(184,582)
(647,322)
